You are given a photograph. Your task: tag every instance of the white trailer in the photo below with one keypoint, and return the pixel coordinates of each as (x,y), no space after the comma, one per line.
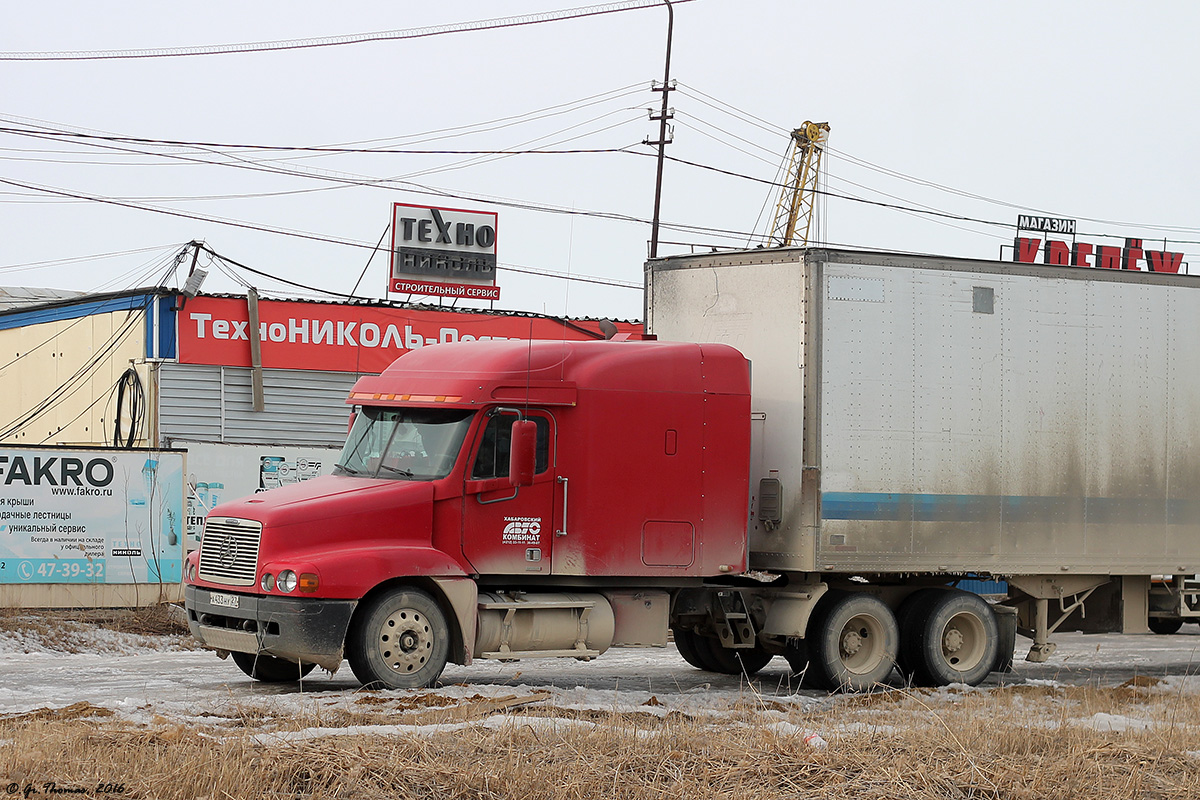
(920,421)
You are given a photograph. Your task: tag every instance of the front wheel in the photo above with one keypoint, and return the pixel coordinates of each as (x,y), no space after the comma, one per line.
(270,669)
(853,639)
(401,641)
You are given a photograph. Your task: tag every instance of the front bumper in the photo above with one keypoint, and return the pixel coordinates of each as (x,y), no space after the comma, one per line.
(291,628)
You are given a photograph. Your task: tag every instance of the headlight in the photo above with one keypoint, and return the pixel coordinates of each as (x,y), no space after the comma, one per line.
(189,571)
(268,582)
(287,581)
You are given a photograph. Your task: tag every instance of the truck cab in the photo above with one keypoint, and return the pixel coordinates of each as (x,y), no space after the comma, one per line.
(500,499)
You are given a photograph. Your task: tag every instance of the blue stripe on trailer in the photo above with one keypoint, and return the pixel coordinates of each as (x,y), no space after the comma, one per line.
(893,506)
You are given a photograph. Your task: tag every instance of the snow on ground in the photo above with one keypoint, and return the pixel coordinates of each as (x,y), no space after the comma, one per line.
(150,680)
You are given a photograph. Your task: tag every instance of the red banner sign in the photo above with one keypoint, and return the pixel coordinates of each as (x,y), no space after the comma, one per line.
(347,338)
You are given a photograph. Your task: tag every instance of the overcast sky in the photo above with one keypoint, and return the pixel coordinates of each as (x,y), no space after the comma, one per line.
(1076,109)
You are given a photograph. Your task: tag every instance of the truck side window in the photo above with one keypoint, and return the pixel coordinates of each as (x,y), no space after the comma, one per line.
(492,460)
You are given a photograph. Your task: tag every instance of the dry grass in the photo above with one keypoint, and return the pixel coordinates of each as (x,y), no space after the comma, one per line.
(71,630)
(1021,742)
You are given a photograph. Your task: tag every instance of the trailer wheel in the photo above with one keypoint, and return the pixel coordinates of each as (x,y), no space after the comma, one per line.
(853,639)
(270,669)
(401,641)
(953,638)
(1164,625)
(906,659)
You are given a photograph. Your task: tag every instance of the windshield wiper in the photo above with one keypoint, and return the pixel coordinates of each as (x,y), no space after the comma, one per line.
(396,470)
(350,470)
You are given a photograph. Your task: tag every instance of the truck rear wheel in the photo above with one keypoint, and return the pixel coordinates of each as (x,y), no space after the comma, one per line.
(951,637)
(741,661)
(853,639)
(270,669)
(400,642)
(706,653)
(687,643)
(905,658)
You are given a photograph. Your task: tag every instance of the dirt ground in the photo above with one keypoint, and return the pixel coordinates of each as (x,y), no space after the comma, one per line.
(116,702)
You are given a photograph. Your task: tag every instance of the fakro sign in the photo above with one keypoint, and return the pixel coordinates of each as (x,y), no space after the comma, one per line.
(443,252)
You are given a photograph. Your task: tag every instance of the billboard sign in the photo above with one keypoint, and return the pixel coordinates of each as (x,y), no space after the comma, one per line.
(450,246)
(1133,256)
(1065,227)
(335,337)
(220,472)
(94,516)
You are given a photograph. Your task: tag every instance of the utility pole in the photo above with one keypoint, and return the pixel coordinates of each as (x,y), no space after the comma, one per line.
(663,141)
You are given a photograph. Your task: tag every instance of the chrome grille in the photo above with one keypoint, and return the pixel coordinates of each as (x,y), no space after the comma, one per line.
(229,551)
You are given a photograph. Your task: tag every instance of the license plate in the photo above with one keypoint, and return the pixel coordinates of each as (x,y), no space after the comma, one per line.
(223,600)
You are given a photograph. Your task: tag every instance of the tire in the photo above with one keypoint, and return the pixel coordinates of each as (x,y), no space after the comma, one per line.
(401,641)
(954,639)
(686,642)
(706,653)
(796,653)
(270,669)
(741,661)
(1165,625)
(853,640)
(906,656)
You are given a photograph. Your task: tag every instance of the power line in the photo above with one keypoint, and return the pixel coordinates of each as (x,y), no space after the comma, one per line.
(500,123)
(335,41)
(75,259)
(184,215)
(70,135)
(573,276)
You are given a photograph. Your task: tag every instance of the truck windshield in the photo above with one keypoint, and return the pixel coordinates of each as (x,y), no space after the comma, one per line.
(404,443)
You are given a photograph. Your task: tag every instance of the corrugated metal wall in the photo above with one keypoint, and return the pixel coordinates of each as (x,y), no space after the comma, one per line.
(214,404)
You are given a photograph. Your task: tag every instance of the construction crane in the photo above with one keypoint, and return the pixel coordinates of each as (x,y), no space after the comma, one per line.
(794,212)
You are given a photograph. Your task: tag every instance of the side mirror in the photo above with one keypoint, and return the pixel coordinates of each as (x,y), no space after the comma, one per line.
(522,455)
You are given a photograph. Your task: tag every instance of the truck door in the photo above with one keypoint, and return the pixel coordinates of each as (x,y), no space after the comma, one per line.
(508,530)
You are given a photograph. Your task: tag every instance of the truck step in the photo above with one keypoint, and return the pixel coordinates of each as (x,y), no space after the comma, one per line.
(513,655)
(531,605)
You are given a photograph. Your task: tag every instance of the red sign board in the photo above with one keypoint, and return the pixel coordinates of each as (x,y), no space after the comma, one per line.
(1081,254)
(347,338)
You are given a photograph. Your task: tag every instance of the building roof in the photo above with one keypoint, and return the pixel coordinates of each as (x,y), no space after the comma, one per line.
(14,297)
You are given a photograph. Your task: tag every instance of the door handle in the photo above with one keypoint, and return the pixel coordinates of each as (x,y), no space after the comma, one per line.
(563,530)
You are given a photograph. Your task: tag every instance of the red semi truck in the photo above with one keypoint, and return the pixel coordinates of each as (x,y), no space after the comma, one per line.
(910,422)
(493,500)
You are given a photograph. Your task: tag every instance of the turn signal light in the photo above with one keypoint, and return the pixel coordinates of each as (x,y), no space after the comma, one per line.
(309,581)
